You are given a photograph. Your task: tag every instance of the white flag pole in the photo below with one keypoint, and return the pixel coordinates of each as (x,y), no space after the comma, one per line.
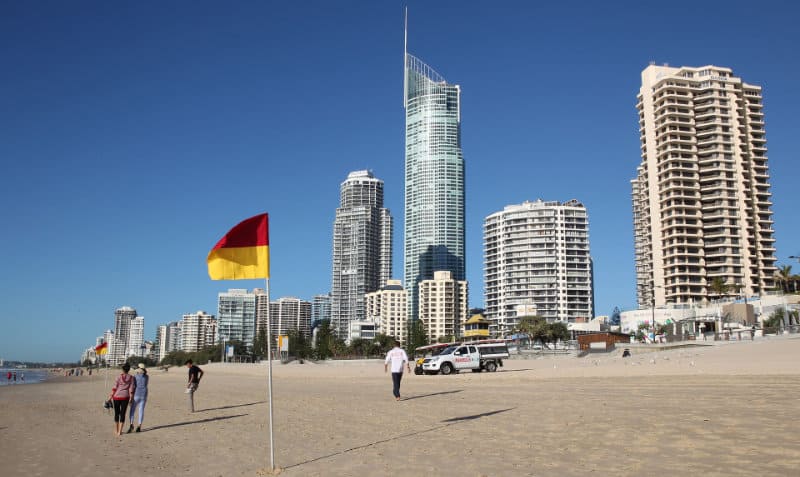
(269,380)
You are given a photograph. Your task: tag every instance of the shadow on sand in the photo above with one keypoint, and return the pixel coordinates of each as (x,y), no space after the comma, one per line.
(231,406)
(432,394)
(199,421)
(476,416)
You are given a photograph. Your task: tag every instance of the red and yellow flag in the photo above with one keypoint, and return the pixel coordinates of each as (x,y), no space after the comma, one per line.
(102,348)
(243,253)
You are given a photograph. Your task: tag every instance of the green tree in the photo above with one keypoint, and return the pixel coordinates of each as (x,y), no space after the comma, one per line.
(298,344)
(416,336)
(558,331)
(323,348)
(260,343)
(718,287)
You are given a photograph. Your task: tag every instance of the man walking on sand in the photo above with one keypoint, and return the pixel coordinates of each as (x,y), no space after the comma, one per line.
(195,374)
(398,358)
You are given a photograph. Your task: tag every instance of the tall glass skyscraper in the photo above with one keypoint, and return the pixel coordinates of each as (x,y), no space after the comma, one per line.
(362,248)
(434,174)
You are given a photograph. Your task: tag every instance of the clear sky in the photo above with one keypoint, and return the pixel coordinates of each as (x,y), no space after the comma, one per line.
(133,135)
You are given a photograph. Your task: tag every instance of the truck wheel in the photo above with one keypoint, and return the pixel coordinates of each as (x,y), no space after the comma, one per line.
(417,371)
(447,368)
(491,366)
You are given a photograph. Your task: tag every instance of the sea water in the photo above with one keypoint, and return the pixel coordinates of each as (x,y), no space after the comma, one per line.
(30,375)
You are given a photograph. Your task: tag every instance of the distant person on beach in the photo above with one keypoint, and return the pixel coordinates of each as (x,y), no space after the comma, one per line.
(15,377)
(139,396)
(122,393)
(195,374)
(753,332)
(22,377)
(8,377)
(398,358)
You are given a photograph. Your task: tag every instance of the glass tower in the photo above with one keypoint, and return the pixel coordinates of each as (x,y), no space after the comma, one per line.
(434,179)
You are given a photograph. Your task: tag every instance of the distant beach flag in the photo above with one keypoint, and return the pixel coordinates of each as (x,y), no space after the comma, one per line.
(101,348)
(243,253)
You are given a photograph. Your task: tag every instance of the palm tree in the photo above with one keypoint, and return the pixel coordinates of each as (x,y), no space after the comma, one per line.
(785,277)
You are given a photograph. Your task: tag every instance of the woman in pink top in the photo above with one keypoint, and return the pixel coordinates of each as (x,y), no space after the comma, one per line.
(122,394)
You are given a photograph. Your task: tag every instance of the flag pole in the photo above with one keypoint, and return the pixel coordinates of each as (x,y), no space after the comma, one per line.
(269,380)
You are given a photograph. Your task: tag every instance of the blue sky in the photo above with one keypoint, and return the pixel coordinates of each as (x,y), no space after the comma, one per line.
(133,135)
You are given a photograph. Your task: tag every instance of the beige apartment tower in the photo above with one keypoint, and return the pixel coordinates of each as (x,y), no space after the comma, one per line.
(443,305)
(701,197)
(388,308)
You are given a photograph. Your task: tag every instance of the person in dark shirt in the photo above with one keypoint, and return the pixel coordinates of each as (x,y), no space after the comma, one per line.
(195,374)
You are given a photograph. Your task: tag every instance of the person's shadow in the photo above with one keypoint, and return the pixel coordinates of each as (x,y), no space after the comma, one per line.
(199,421)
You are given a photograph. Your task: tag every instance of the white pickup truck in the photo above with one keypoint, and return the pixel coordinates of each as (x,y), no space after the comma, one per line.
(475,357)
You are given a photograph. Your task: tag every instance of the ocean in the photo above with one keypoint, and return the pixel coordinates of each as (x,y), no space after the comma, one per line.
(24,376)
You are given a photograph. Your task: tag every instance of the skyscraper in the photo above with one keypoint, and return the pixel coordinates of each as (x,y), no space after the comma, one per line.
(198,330)
(434,179)
(443,305)
(119,344)
(701,199)
(362,248)
(388,308)
(320,308)
(290,313)
(536,256)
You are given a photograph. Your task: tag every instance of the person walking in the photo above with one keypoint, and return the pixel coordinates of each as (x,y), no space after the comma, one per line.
(139,397)
(8,377)
(398,358)
(195,374)
(122,393)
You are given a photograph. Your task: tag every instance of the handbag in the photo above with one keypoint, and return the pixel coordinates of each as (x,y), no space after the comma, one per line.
(108,404)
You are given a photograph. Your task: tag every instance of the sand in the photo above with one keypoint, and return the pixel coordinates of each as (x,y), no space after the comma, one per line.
(726,409)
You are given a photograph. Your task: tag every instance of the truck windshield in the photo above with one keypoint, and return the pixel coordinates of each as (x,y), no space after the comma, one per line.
(448,350)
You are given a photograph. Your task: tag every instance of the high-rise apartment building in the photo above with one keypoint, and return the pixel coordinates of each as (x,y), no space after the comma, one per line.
(290,313)
(236,316)
(362,248)
(118,345)
(443,305)
(434,179)
(198,330)
(701,197)
(388,308)
(320,308)
(536,254)
(136,346)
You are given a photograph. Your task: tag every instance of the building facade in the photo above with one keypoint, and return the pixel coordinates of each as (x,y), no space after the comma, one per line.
(198,330)
(434,237)
(136,346)
(290,313)
(236,316)
(388,308)
(536,254)
(119,343)
(320,309)
(443,305)
(701,197)
(362,248)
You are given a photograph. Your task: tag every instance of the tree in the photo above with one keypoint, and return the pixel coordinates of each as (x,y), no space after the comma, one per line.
(324,340)
(298,344)
(260,343)
(558,331)
(416,336)
(775,321)
(786,281)
(718,287)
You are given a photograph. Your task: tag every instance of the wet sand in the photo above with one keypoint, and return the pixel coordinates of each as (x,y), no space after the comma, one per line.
(728,409)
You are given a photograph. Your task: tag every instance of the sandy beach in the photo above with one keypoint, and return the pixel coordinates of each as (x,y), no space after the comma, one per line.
(725,409)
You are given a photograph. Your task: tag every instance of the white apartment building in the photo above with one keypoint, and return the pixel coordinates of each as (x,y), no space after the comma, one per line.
(168,339)
(701,196)
(136,337)
(443,305)
(236,316)
(290,313)
(198,330)
(536,257)
(389,309)
(119,345)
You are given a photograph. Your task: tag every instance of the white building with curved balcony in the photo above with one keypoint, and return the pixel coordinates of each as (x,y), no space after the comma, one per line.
(701,197)
(537,258)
